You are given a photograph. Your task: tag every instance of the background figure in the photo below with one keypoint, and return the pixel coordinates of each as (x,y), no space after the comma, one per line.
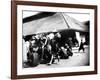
(70,43)
(25,50)
(81,47)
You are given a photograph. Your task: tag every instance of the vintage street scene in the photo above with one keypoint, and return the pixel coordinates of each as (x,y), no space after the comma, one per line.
(55,39)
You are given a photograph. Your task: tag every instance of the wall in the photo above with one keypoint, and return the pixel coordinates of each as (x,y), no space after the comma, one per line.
(5,37)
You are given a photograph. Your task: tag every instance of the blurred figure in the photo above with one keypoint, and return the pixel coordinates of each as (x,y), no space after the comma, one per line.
(69,50)
(70,43)
(43,42)
(76,43)
(81,47)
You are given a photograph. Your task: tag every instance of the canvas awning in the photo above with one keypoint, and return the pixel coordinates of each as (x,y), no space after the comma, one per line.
(54,22)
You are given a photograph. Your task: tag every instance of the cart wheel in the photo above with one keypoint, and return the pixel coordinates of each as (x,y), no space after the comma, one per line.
(34,59)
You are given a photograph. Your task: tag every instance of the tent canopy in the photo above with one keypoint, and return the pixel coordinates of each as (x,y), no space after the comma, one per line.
(49,22)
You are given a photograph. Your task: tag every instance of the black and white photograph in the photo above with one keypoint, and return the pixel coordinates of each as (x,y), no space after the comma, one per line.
(50,40)
(55,39)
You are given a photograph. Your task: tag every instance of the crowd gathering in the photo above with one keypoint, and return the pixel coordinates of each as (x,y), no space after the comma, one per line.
(48,48)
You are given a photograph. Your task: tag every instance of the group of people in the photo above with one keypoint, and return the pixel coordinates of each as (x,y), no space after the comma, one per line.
(49,47)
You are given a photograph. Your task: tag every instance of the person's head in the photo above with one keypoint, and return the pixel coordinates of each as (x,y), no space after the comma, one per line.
(58,35)
(62,47)
(66,45)
(70,38)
